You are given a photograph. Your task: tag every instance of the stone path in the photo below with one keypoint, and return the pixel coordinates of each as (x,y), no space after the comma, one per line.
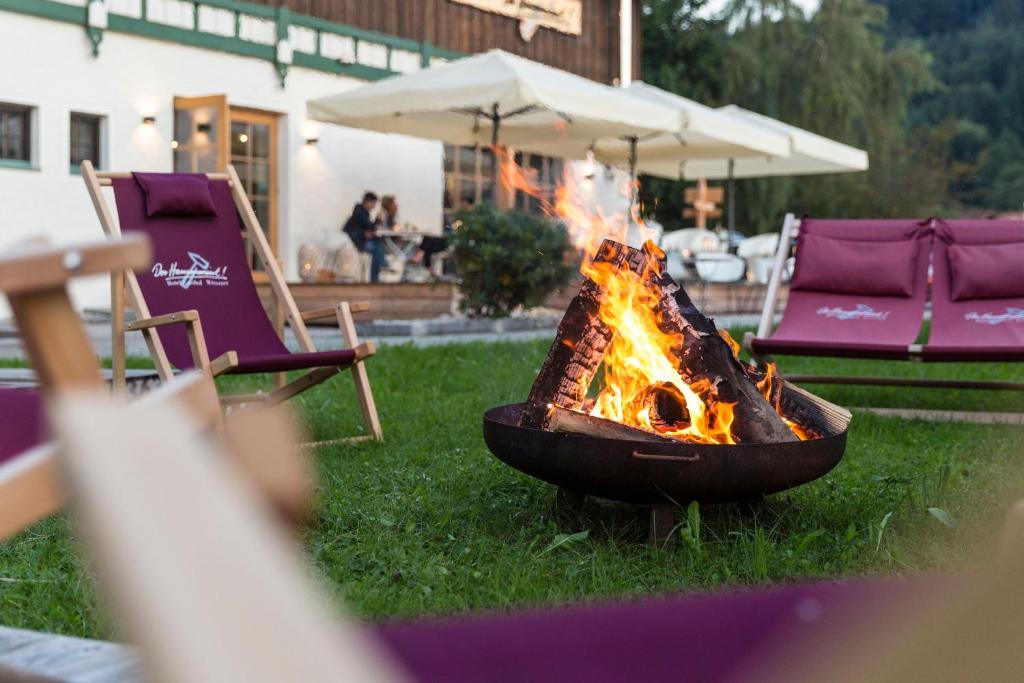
(422,333)
(76,660)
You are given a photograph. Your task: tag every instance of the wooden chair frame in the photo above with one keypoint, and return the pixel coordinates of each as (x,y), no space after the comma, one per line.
(126,286)
(34,280)
(790,231)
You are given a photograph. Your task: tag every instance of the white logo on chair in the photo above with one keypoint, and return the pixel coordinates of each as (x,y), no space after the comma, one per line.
(199,274)
(858,312)
(1012,315)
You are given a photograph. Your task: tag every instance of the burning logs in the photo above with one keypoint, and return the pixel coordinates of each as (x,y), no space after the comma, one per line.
(707,356)
(579,344)
(697,371)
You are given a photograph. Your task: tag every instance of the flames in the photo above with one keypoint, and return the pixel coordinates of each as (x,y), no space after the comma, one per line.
(640,384)
(640,360)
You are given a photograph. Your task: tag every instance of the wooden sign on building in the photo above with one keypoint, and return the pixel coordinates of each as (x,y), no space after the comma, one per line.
(561,15)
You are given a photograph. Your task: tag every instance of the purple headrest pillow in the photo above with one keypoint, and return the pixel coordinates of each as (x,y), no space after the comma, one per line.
(176,194)
(986,271)
(824,264)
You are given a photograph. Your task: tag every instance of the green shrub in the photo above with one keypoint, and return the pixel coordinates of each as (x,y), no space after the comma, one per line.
(507,259)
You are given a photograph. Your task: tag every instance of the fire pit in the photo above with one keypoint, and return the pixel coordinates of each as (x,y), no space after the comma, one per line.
(678,416)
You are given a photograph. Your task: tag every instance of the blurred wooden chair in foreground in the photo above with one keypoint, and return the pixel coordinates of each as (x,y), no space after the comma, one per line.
(34,277)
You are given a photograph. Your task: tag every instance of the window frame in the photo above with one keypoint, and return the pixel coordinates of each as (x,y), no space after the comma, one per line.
(99,159)
(29,143)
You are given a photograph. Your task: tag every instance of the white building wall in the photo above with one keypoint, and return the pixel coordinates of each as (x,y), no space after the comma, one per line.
(49,65)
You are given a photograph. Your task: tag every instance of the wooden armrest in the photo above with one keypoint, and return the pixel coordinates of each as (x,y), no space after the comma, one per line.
(161,320)
(331,311)
(365,350)
(38,265)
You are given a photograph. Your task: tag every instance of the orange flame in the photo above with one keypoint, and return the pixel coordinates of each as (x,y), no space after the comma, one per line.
(641,359)
(642,356)
(767,388)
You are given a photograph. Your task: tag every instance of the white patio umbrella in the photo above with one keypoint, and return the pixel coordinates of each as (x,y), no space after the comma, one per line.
(700,133)
(810,153)
(496,96)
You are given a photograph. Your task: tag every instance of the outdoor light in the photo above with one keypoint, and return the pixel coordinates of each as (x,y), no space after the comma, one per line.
(311,258)
(243,138)
(149,120)
(174,144)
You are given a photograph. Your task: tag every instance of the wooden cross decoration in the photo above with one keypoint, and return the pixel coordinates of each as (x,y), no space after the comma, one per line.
(705,201)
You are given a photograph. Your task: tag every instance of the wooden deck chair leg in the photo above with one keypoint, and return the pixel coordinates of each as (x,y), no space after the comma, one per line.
(362,381)
(118,361)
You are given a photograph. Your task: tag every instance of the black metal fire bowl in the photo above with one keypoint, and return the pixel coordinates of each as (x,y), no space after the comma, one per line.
(654,473)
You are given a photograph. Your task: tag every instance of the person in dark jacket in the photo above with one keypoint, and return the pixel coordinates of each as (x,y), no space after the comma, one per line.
(362,230)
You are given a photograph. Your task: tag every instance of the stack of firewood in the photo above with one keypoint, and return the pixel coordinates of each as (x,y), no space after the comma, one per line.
(703,358)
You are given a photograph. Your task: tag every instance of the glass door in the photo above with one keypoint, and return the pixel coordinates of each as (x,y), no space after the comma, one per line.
(253,153)
(200,134)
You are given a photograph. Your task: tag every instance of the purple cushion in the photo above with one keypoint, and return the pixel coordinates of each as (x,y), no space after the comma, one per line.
(176,194)
(840,266)
(986,271)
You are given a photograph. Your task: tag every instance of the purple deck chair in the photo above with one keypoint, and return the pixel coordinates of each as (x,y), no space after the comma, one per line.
(21,421)
(976,294)
(22,439)
(858,291)
(725,637)
(199,297)
(977,291)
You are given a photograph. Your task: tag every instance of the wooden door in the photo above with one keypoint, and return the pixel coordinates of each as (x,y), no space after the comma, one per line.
(253,153)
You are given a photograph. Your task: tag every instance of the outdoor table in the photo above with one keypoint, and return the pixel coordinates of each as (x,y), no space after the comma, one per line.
(401,246)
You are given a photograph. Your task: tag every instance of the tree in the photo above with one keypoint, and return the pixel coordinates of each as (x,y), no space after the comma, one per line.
(835,73)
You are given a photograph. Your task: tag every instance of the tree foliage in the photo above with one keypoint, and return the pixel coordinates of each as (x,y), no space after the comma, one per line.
(929,88)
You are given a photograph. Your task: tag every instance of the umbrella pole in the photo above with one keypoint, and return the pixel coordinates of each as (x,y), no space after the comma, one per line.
(495,169)
(732,195)
(634,188)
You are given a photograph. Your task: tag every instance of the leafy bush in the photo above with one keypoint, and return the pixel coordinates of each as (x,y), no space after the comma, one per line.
(507,259)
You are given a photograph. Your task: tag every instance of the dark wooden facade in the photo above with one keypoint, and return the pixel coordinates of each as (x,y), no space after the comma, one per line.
(453,26)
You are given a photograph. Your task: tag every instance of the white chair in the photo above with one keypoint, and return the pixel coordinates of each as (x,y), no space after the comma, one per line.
(759,252)
(720,268)
(685,244)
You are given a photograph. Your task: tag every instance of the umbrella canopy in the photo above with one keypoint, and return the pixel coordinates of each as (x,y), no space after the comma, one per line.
(537,108)
(810,154)
(700,133)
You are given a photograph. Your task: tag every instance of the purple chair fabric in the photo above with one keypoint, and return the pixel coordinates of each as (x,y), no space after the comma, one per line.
(694,639)
(980,329)
(855,325)
(22,422)
(199,263)
(181,194)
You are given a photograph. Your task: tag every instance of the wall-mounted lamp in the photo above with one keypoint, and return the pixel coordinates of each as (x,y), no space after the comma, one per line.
(149,120)
(312,141)
(174,144)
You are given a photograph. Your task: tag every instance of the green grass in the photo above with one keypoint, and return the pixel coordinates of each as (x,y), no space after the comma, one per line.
(430,523)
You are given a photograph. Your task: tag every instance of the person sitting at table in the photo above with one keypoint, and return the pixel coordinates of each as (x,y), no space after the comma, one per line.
(362,230)
(387,217)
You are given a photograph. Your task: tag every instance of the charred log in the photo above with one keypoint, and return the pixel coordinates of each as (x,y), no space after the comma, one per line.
(706,356)
(666,407)
(579,345)
(573,422)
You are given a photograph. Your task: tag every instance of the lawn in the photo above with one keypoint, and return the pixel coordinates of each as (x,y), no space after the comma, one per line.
(430,523)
